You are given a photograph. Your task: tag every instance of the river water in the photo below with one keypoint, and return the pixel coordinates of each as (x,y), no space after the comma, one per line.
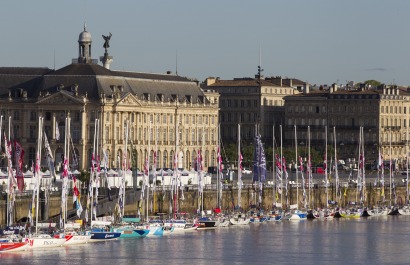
(375,240)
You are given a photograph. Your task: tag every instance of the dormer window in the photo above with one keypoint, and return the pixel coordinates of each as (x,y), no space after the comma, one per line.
(160,97)
(188,98)
(146,96)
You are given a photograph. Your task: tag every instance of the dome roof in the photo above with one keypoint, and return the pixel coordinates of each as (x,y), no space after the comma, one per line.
(85,36)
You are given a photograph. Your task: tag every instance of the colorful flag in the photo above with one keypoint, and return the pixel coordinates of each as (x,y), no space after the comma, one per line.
(18,155)
(240,161)
(219,160)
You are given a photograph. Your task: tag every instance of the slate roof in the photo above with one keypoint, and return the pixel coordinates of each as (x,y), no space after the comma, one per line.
(93,80)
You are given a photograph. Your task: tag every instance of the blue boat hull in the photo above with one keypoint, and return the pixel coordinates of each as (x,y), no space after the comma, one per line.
(104,236)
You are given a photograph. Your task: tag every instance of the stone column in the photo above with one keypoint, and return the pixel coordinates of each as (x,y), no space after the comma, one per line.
(53,127)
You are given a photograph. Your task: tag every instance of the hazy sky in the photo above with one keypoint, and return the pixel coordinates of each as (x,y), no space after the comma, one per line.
(318,41)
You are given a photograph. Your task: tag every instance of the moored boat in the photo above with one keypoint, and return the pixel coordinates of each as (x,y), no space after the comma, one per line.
(11,244)
(207,223)
(44,241)
(239,219)
(103,234)
(76,238)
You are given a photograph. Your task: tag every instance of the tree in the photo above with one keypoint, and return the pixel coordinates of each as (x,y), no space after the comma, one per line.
(373,83)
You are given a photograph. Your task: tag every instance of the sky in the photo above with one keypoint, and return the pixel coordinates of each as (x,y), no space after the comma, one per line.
(317,41)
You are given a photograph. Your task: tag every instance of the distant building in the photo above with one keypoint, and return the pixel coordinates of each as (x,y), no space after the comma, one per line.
(251,102)
(382,112)
(161,107)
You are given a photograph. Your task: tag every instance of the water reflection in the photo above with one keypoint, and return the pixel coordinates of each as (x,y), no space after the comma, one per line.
(377,240)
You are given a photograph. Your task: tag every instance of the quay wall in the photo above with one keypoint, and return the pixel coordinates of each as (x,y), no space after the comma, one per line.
(189,199)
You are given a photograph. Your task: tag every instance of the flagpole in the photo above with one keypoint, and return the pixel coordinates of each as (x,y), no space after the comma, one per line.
(281,162)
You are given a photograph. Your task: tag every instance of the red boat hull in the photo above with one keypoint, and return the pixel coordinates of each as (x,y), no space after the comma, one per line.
(13,246)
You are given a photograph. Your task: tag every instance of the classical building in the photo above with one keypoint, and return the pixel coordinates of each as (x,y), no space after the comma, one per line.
(382,112)
(251,102)
(166,113)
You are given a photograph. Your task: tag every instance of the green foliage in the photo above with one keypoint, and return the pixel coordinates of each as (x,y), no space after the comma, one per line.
(373,83)
(84,176)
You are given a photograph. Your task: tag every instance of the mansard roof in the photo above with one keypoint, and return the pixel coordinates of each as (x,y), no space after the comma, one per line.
(94,80)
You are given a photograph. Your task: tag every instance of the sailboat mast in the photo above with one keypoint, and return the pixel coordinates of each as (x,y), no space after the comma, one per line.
(218,185)
(124,169)
(326,179)
(149,155)
(239,168)
(281,162)
(407,165)
(359,161)
(364,168)
(38,163)
(309,167)
(296,168)
(390,171)
(336,171)
(273,166)
(202,174)
(92,173)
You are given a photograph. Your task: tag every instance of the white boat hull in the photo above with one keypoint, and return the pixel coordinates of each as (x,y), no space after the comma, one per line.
(38,242)
(77,239)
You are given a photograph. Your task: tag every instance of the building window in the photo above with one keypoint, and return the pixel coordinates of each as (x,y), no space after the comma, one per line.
(33,115)
(32,132)
(77,116)
(107,133)
(76,133)
(16,129)
(31,154)
(16,115)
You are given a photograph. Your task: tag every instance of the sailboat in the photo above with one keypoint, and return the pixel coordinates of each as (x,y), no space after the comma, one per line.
(100,231)
(239,218)
(72,237)
(10,243)
(38,240)
(297,214)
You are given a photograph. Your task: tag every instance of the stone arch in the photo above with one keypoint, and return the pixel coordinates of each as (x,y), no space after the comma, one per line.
(165,159)
(119,159)
(188,160)
(181,156)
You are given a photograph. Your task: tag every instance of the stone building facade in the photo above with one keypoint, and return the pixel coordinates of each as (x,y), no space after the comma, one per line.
(166,113)
(251,102)
(383,114)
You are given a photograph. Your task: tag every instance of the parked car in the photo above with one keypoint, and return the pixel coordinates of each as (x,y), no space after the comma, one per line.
(246,171)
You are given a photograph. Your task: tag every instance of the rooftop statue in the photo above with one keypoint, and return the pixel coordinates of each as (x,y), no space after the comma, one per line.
(107,41)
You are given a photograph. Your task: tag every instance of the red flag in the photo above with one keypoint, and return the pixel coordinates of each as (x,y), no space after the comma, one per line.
(18,155)
(75,189)
(146,166)
(155,160)
(240,161)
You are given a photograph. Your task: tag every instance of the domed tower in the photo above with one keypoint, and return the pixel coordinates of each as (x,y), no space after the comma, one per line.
(84,47)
